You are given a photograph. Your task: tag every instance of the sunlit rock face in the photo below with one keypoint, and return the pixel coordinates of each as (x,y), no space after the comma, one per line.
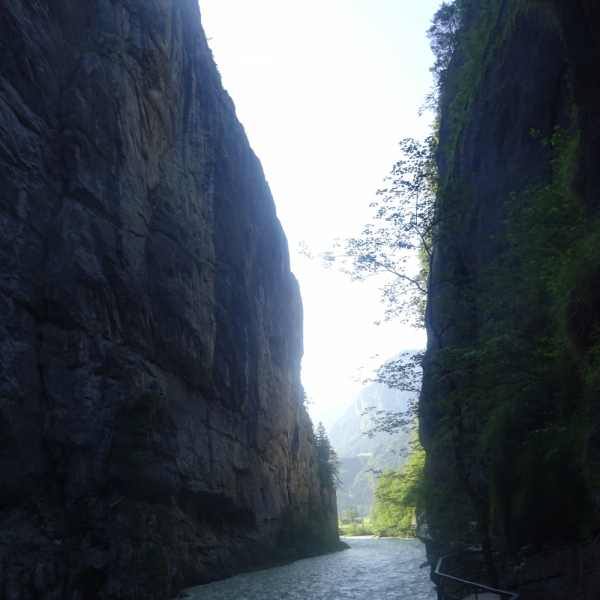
(151,420)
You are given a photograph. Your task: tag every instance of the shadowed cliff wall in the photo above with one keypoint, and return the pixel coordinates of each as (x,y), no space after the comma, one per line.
(151,420)
(534,75)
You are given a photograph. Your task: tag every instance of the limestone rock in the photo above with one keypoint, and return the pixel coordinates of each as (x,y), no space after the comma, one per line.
(151,420)
(525,88)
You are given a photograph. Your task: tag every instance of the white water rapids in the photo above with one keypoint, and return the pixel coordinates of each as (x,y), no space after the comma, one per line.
(373,569)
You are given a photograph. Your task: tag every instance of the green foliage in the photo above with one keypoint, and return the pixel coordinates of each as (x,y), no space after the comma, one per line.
(514,366)
(541,426)
(360,485)
(352,513)
(509,396)
(308,533)
(327,459)
(476,41)
(443,38)
(404,215)
(403,374)
(397,495)
(146,415)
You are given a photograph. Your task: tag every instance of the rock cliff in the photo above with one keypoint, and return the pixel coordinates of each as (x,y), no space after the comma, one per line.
(152,429)
(522,454)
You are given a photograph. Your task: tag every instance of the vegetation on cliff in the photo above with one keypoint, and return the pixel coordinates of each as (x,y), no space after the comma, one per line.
(510,283)
(310,533)
(509,388)
(328,462)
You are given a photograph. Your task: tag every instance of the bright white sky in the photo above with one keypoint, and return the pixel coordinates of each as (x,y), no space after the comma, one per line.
(325,90)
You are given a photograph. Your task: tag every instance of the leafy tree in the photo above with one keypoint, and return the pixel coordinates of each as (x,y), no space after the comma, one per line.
(409,225)
(328,462)
(352,513)
(403,374)
(404,215)
(443,38)
(397,495)
(444,41)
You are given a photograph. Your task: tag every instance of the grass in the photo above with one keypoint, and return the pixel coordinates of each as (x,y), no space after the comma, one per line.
(356,529)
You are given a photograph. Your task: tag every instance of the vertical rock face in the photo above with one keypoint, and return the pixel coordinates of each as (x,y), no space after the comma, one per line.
(523,90)
(579,21)
(538,69)
(151,420)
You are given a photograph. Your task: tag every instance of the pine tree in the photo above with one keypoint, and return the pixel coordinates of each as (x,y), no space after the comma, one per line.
(329,464)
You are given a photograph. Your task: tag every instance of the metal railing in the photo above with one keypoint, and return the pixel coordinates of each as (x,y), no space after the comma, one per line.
(461,588)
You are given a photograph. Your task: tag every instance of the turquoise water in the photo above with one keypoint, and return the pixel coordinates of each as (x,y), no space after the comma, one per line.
(373,569)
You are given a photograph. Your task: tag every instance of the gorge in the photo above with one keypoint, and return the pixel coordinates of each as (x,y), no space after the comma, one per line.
(153,428)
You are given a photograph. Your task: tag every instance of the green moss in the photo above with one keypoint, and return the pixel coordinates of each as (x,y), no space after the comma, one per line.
(539,476)
(155,568)
(518,387)
(146,415)
(509,394)
(480,41)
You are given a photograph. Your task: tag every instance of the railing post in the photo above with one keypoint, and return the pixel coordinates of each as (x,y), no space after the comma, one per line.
(441,578)
(439,581)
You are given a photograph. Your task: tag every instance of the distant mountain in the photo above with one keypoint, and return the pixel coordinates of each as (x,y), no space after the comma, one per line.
(346,434)
(358,453)
(359,474)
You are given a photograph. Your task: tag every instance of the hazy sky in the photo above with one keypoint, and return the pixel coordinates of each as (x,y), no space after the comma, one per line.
(325,90)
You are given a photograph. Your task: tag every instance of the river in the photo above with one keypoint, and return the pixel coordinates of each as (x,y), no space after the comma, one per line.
(373,569)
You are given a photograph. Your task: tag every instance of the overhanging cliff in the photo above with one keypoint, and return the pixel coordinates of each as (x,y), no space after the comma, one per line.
(152,427)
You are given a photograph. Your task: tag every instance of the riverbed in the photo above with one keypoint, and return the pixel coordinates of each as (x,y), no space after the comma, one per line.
(372,569)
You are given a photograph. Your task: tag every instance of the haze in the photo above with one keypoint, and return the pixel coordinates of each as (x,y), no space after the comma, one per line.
(325,90)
